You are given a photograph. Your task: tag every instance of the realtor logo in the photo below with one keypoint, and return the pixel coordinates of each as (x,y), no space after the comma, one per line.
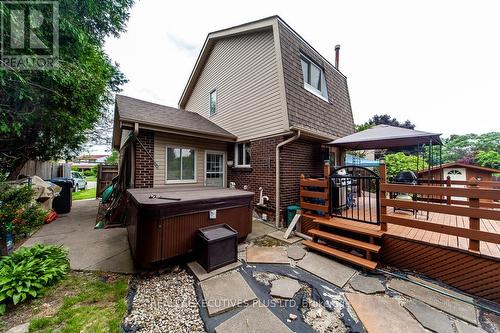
(29,35)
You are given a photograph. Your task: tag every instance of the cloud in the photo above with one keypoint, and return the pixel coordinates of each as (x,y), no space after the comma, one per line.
(181,44)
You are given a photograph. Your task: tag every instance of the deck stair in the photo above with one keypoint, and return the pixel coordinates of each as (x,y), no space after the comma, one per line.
(330,240)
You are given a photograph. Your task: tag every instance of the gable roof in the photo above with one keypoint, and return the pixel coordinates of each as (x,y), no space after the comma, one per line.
(463,165)
(385,137)
(132,110)
(330,119)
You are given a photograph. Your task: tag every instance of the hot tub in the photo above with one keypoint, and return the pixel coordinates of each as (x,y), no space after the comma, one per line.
(165,227)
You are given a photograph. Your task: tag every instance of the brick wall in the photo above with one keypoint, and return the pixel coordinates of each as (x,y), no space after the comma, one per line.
(144,165)
(298,157)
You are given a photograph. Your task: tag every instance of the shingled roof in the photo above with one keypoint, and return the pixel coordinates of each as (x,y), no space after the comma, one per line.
(134,110)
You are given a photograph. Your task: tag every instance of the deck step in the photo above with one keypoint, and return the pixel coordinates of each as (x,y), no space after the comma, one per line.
(345,240)
(339,223)
(365,263)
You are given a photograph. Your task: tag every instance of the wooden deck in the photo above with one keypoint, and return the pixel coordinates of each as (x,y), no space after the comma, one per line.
(435,238)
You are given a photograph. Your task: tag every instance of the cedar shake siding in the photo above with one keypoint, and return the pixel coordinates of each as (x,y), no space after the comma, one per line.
(164,140)
(244,72)
(144,166)
(306,110)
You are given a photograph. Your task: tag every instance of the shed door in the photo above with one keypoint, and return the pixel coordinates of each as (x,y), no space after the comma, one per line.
(214,169)
(456,174)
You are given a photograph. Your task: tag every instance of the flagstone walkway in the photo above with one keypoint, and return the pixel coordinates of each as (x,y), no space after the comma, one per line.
(269,290)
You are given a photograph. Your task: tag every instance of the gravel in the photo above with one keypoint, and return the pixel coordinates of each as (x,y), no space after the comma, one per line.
(164,303)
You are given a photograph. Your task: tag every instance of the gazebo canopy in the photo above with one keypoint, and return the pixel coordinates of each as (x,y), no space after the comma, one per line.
(386,137)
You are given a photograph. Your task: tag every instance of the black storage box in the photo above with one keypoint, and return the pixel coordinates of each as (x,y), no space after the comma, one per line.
(217,246)
(62,203)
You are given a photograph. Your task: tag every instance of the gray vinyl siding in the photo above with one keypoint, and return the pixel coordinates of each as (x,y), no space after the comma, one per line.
(244,71)
(162,140)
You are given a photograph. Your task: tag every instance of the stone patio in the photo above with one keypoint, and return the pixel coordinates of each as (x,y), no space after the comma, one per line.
(360,301)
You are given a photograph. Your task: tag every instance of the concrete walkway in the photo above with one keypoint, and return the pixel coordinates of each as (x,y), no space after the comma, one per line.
(89,249)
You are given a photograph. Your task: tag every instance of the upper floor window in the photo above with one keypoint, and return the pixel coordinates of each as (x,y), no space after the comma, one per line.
(213,102)
(314,78)
(242,154)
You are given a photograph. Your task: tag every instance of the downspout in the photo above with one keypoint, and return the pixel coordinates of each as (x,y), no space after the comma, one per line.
(290,140)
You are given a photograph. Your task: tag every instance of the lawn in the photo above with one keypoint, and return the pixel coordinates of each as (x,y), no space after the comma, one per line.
(91,179)
(85,194)
(83,302)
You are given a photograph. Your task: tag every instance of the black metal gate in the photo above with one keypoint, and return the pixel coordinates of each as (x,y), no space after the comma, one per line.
(355,194)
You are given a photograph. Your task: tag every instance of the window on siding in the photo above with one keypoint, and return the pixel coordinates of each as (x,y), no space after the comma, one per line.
(181,165)
(213,102)
(314,78)
(242,154)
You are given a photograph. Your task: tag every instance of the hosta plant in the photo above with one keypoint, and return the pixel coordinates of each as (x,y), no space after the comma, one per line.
(28,271)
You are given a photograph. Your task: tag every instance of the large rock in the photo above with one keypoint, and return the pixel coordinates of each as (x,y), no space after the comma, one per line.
(444,303)
(381,314)
(326,269)
(367,284)
(23,328)
(225,292)
(255,318)
(284,288)
(430,318)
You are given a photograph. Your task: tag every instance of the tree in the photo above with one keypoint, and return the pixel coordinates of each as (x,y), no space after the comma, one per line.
(113,158)
(47,114)
(398,162)
(490,159)
(465,148)
(384,119)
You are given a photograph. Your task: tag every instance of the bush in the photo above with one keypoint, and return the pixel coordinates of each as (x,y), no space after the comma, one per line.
(18,213)
(89,173)
(28,271)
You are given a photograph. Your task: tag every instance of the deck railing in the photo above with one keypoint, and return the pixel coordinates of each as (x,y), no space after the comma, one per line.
(314,193)
(480,202)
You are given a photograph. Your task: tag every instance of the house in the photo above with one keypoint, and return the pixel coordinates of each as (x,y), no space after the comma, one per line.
(460,171)
(258,93)
(87,162)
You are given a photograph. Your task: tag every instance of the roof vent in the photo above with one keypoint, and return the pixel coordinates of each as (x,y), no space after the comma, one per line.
(337,51)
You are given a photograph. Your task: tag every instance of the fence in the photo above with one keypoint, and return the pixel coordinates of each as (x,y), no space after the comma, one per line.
(46,170)
(475,209)
(105,175)
(314,194)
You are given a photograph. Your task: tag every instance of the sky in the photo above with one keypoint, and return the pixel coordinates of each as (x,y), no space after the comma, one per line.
(435,63)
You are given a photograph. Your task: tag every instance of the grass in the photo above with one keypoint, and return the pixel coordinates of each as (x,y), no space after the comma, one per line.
(94,304)
(82,302)
(85,194)
(91,179)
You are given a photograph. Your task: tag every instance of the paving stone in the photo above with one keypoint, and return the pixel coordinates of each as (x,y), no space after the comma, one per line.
(23,328)
(259,229)
(381,314)
(255,318)
(367,284)
(280,235)
(493,320)
(430,318)
(202,275)
(296,252)
(326,269)
(267,255)
(444,303)
(463,327)
(446,290)
(284,288)
(225,292)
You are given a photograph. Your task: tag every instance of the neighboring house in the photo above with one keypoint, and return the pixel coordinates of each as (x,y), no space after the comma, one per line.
(259,93)
(460,171)
(87,162)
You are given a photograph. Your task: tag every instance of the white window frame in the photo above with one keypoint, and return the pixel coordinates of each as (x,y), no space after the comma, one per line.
(236,155)
(210,114)
(181,181)
(309,87)
(224,171)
